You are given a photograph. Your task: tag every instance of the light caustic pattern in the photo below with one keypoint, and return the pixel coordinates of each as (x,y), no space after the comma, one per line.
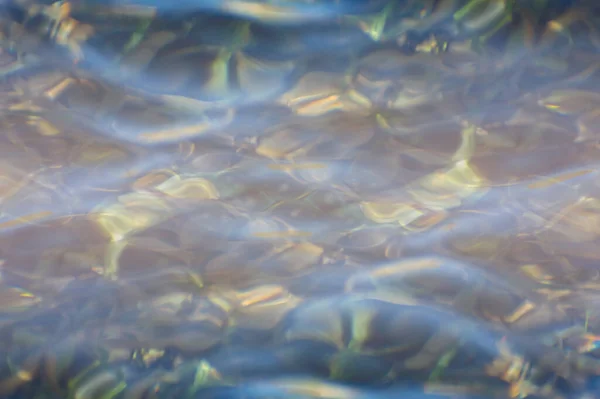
(299,199)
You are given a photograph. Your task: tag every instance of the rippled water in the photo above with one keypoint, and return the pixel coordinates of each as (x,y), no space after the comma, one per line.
(299,199)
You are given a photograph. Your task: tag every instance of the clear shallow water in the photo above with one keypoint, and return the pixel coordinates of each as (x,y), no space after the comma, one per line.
(299,199)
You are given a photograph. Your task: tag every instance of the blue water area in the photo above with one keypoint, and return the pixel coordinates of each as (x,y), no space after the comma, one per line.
(268,199)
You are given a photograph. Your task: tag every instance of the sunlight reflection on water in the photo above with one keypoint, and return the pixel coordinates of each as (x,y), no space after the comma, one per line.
(299,199)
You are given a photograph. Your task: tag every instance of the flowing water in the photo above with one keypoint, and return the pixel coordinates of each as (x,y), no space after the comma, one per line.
(299,199)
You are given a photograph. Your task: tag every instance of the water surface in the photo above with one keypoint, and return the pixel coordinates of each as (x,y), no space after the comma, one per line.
(299,199)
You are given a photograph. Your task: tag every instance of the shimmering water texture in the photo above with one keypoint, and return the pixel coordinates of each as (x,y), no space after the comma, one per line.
(299,199)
